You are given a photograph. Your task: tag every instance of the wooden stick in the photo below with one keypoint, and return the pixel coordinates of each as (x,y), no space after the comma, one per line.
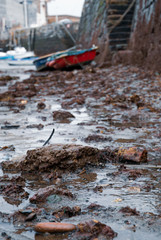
(49,137)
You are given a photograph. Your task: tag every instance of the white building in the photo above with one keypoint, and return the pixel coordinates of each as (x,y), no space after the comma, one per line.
(14,13)
(11,14)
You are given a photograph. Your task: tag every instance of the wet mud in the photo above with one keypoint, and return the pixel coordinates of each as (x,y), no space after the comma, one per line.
(101,167)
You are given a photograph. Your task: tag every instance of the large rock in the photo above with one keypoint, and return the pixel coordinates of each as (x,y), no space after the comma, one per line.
(59,156)
(43,193)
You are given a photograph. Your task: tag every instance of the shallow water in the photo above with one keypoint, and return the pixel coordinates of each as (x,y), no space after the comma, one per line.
(117,189)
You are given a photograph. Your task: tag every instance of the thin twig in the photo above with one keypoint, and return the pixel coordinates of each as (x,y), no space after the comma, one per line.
(49,137)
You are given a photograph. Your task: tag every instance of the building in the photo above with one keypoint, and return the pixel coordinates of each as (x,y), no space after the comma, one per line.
(11,14)
(18,14)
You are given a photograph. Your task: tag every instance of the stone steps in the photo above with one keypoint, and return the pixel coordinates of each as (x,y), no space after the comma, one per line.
(119,32)
(119,35)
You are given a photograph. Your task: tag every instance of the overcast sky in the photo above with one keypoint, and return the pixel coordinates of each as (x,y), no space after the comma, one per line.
(65,7)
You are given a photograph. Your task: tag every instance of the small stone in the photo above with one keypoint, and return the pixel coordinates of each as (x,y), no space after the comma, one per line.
(52,227)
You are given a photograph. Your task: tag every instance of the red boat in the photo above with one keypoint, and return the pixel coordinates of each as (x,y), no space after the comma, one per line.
(70,59)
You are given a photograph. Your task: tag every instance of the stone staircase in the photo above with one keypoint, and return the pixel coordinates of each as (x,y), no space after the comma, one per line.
(120,16)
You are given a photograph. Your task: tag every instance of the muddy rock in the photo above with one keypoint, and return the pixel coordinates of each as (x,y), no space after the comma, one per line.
(67,212)
(97,138)
(25,215)
(130,173)
(132,154)
(13,165)
(62,115)
(127,211)
(13,193)
(7,148)
(59,156)
(41,105)
(22,89)
(43,193)
(93,229)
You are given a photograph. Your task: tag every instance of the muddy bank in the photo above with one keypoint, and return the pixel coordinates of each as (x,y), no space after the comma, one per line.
(122,104)
(102,162)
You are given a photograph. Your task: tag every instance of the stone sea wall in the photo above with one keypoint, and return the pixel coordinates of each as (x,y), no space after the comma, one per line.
(93,25)
(42,40)
(136,27)
(145,42)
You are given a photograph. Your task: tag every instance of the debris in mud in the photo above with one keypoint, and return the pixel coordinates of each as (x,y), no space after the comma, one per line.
(127,211)
(52,227)
(66,212)
(12,165)
(21,89)
(131,173)
(59,156)
(8,148)
(7,127)
(132,154)
(5,236)
(38,126)
(25,215)
(98,189)
(93,229)
(5,79)
(13,193)
(62,115)
(41,105)
(17,180)
(43,193)
(97,138)
(73,102)
(94,206)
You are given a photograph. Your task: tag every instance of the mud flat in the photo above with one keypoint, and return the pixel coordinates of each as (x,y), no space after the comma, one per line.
(100,171)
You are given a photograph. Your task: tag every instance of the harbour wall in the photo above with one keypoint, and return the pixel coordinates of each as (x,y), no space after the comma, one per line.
(42,40)
(126,31)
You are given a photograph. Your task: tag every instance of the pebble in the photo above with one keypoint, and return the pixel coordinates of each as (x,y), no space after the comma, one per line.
(52,227)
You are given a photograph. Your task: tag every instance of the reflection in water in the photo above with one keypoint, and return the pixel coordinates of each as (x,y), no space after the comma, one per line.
(51,236)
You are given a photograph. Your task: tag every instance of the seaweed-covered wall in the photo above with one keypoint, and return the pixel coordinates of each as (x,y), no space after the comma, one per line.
(145,42)
(136,30)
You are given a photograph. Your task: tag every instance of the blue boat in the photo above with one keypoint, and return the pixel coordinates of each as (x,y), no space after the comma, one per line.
(5,56)
(40,63)
(22,61)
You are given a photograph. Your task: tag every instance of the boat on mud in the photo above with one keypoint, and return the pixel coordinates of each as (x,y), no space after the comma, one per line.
(40,63)
(67,59)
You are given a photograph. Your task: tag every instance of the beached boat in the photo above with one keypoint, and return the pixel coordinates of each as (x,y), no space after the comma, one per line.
(69,58)
(40,63)
(72,58)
